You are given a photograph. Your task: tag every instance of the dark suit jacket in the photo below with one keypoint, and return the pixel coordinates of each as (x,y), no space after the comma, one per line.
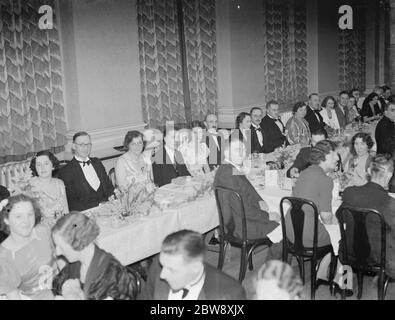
(373,196)
(217,285)
(367,110)
(163,169)
(105,277)
(4,193)
(215,156)
(255,146)
(272,135)
(80,194)
(314,123)
(384,134)
(342,116)
(258,223)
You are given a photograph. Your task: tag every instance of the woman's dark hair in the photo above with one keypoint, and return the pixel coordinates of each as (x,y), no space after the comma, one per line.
(325,101)
(297,106)
(5,212)
(240,117)
(365,138)
(369,98)
(320,150)
(197,123)
(130,135)
(77,230)
(55,162)
(320,132)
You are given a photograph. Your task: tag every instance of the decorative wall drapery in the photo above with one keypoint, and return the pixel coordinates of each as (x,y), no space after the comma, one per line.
(352,50)
(160,59)
(200,39)
(32,116)
(160,62)
(285,51)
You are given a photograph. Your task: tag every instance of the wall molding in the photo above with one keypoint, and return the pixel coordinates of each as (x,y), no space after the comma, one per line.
(104,139)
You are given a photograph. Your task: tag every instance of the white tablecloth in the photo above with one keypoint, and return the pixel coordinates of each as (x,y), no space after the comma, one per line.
(144,235)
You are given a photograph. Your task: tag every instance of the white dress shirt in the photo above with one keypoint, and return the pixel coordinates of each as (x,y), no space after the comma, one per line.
(258,133)
(333,122)
(193,289)
(89,173)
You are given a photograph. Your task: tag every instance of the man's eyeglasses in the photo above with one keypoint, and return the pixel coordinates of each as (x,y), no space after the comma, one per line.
(84,144)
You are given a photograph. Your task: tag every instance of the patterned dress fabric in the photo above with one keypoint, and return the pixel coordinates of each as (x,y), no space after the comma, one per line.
(285,51)
(32,115)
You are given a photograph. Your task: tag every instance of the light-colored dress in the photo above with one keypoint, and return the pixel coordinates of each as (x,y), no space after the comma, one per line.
(298,131)
(52,198)
(128,171)
(356,168)
(195,157)
(331,121)
(31,268)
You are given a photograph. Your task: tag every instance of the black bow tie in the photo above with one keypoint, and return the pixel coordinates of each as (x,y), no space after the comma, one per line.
(89,162)
(258,128)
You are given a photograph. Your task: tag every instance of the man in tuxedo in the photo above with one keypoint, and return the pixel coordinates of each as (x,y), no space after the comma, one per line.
(180,273)
(214,141)
(168,161)
(4,194)
(384,97)
(385,131)
(313,116)
(85,178)
(257,145)
(302,160)
(342,108)
(274,134)
(232,175)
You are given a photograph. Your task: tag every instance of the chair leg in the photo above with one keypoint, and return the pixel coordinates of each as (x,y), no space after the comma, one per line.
(360,284)
(387,279)
(243,264)
(313,277)
(380,286)
(222,250)
(250,265)
(301,267)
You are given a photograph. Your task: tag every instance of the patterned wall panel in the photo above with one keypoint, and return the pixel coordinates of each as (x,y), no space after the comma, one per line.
(200,38)
(32,115)
(352,52)
(285,51)
(160,62)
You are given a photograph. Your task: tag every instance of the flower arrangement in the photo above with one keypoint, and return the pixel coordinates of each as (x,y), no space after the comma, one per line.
(285,156)
(138,198)
(21,184)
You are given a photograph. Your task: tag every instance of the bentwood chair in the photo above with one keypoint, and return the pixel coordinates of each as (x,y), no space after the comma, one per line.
(296,248)
(363,245)
(227,222)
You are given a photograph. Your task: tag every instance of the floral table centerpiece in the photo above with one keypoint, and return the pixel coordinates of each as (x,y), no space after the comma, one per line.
(138,198)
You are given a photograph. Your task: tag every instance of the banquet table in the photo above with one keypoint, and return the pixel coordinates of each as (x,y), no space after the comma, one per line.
(142,236)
